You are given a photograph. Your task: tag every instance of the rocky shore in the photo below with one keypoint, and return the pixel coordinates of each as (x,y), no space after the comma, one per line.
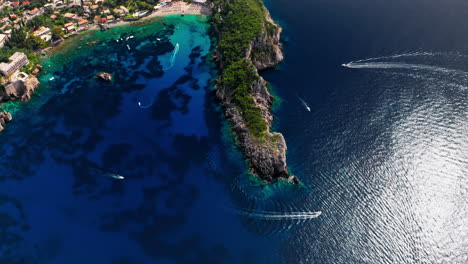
(18,90)
(266,155)
(5,117)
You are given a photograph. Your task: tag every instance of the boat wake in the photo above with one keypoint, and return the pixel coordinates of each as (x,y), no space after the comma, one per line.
(404,55)
(396,65)
(173,57)
(145,106)
(304,103)
(107,174)
(267,215)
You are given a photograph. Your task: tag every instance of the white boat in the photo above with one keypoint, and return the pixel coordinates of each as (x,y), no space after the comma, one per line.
(118,177)
(51,78)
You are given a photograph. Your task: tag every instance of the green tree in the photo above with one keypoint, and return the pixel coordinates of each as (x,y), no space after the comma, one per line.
(57,32)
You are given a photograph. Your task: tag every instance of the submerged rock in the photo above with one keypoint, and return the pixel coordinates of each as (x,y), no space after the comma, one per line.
(104,76)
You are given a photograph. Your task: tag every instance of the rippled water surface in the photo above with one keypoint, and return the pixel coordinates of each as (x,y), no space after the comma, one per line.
(385,146)
(382,153)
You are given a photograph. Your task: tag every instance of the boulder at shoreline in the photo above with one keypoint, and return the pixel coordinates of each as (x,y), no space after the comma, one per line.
(5,117)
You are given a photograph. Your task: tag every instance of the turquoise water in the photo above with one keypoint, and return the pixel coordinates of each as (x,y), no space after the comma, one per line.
(382,152)
(185,196)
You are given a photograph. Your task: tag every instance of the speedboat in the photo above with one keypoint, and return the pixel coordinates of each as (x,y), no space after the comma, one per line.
(118,177)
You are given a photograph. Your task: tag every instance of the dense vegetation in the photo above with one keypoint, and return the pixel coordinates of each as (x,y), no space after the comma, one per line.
(240,22)
(20,41)
(239,76)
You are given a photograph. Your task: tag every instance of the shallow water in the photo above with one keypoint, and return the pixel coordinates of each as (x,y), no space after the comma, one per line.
(63,199)
(382,151)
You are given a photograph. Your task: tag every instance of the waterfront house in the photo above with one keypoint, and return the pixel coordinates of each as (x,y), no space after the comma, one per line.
(16,62)
(110,19)
(41,31)
(69,27)
(83,22)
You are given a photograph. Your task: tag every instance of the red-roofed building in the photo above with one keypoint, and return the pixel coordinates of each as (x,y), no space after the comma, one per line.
(104,19)
(25,3)
(15,3)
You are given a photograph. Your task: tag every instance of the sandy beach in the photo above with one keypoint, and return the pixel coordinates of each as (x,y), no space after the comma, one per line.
(175,8)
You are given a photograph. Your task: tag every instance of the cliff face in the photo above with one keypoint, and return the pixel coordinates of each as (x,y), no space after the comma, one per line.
(266,155)
(265,50)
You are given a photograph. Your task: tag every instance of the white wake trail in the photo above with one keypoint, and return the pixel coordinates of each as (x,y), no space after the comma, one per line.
(278,215)
(304,103)
(394,65)
(173,57)
(409,54)
(145,106)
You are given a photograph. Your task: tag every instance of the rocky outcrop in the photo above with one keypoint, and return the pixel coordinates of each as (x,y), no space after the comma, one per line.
(36,71)
(5,117)
(267,155)
(104,76)
(21,90)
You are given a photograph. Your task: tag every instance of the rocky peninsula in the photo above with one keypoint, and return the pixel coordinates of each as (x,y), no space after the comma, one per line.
(249,41)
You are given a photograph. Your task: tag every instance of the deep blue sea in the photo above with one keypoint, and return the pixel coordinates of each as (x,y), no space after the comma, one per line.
(144,169)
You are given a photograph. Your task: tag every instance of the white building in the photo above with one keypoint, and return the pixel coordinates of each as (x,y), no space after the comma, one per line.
(42,31)
(17,61)
(3,39)
(34,13)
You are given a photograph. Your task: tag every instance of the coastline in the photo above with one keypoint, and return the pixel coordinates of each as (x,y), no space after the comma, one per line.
(175,9)
(201,10)
(242,91)
(244,49)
